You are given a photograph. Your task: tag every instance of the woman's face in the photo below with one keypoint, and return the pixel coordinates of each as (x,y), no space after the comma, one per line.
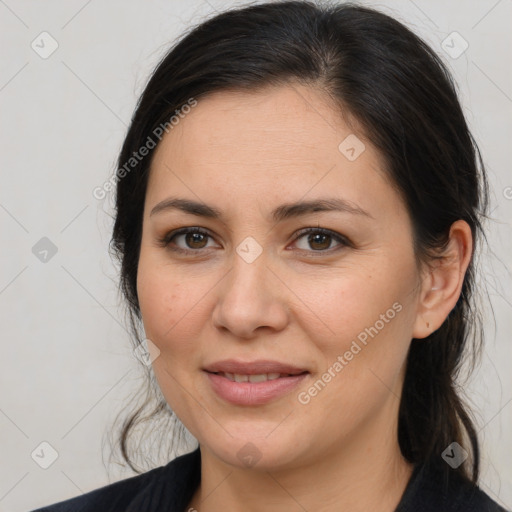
(252,294)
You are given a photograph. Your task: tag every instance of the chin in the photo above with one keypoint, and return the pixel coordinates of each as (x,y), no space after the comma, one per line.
(253,453)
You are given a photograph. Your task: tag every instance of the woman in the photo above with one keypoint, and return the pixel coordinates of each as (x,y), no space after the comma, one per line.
(298,205)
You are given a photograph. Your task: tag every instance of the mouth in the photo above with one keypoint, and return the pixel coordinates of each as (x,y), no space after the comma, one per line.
(257,367)
(258,377)
(253,383)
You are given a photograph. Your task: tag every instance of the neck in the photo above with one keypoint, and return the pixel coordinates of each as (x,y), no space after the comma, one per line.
(358,476)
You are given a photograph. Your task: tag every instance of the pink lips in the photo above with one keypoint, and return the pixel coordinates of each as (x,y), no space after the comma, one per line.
(253,393)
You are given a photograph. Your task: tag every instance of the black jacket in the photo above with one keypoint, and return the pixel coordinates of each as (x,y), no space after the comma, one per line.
(170,488)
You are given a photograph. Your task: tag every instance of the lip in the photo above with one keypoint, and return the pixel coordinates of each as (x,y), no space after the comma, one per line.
(253,393)
(253,367)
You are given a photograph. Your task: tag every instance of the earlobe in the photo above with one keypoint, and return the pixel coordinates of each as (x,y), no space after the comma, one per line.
(442,286)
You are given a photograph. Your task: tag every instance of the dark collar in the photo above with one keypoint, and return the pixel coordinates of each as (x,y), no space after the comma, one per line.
(174,486)
(435,487)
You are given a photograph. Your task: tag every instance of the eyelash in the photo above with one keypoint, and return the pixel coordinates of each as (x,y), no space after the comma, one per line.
(167,239)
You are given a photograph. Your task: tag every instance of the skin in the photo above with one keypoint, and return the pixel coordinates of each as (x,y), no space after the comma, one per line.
(298,302)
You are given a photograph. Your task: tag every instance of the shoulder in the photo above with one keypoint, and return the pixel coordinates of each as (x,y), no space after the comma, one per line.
(113,497)
(433,489)
(141,492)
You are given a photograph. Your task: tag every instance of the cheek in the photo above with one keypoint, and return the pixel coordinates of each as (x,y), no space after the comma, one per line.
(343,304)
(157,299)
(160,298)
(362,360)
(363,315)
(171,305)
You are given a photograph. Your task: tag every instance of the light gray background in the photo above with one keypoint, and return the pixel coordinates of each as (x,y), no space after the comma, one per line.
(66,365)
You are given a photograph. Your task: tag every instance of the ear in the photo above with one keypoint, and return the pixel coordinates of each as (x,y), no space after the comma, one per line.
(442,285)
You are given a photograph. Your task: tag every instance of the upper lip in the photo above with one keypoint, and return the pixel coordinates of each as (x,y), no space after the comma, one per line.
(257,367)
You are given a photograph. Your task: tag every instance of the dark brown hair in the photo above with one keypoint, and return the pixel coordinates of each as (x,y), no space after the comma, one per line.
(403,96)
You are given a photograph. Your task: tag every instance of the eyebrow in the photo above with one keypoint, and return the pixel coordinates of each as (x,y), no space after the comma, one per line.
(282,212)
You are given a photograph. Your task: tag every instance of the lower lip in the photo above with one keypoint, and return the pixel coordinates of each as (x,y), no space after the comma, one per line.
(253,393)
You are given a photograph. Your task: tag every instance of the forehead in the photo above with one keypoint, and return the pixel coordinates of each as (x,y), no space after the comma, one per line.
(276,143)
(269,123)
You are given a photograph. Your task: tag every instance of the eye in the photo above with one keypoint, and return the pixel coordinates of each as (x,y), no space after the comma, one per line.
(320,239)
(193,238)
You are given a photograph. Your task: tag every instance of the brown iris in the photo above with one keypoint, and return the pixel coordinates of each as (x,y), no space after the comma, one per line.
(319,238)
(193,238)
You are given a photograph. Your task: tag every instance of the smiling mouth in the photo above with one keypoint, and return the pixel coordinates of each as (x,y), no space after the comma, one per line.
(253,389)
(254,378)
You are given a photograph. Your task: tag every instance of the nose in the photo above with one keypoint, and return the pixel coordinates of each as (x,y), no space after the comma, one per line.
(251,299)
